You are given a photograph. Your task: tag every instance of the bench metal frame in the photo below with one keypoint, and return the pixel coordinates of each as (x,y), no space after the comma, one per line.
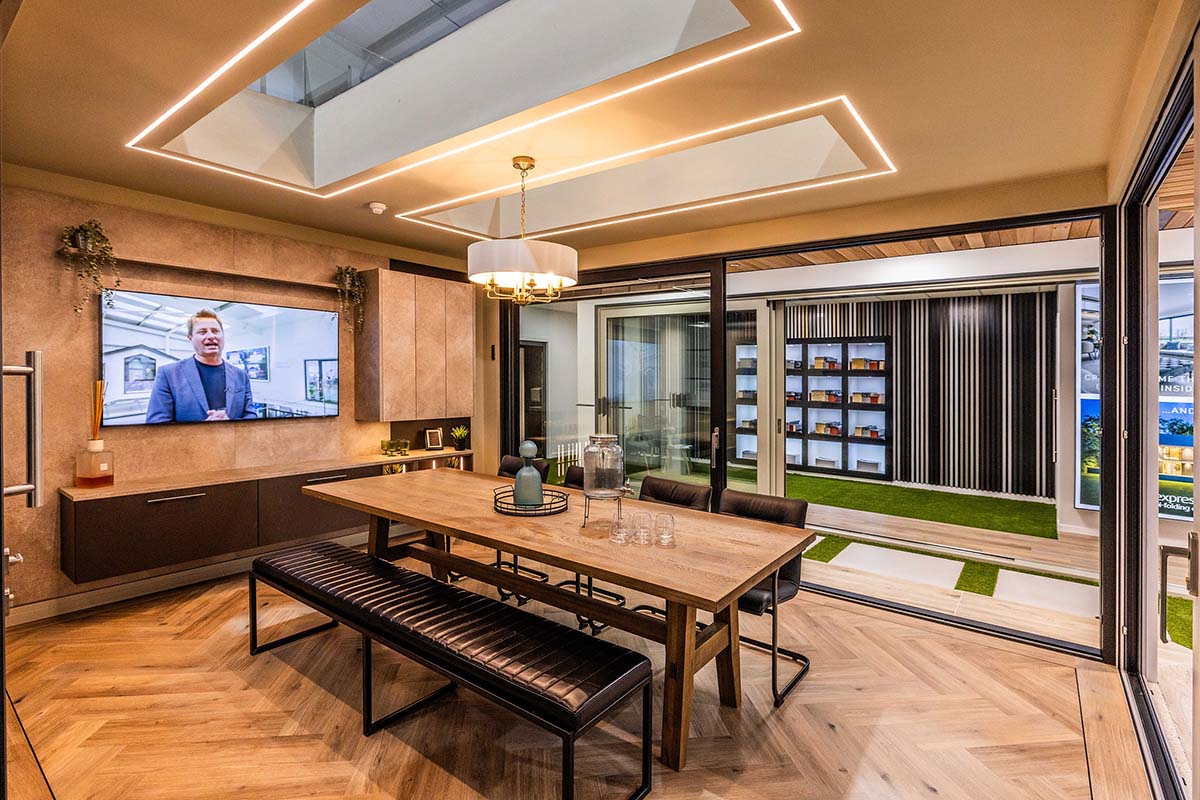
(370,726)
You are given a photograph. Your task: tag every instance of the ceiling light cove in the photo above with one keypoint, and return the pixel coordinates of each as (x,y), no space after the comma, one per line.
(795,149)
(333,140)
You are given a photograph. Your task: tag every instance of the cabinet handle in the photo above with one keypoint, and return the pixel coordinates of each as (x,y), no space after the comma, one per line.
(326,478)
(176,497)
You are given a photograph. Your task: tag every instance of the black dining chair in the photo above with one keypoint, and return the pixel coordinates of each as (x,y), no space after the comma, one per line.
(508,469)
(667,492)
(573,479)
(781,586)
(675,493)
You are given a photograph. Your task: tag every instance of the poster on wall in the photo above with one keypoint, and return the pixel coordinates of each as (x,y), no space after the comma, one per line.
(1176,351)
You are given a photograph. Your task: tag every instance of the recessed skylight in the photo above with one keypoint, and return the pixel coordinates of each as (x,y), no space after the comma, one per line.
(377,36)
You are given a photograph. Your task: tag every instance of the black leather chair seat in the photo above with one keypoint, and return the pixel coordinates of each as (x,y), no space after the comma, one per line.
(562,675)
(758,600)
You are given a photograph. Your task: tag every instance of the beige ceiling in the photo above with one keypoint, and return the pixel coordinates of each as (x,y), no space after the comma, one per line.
(958,94)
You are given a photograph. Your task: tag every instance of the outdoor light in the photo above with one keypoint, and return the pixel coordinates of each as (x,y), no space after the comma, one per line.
(523,270)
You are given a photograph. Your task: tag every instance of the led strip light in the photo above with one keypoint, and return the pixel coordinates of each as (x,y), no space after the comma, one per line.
(134,143)
(408,216)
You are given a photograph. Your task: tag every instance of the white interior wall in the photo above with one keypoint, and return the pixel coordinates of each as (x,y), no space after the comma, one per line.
(555,325)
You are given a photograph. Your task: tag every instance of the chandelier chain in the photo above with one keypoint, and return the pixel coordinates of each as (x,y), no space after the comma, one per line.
(524,172)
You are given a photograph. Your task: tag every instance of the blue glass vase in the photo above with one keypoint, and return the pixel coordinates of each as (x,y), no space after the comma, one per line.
(527,486)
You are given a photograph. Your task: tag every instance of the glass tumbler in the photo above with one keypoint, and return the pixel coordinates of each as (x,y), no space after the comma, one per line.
(618,532)
(664,530)
(641,529)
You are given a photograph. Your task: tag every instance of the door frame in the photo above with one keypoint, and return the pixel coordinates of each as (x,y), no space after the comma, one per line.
(716,267)
(1174,124)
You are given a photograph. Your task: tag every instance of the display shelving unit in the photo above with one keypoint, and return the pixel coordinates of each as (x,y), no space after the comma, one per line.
(838,406)
(745,448)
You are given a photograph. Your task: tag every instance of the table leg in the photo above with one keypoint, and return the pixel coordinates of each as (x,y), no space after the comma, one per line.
(678,682)
(377,539)
(437,541)
(729,660)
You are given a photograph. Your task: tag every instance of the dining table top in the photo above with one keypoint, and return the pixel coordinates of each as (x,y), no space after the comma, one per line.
(716,559)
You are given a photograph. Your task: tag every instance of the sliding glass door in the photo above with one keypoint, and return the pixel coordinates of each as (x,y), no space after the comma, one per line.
(637,365)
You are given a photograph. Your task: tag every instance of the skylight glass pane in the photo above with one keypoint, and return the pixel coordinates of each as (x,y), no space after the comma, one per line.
(376,36)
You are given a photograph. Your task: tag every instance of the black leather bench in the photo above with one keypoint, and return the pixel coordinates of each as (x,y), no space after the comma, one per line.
(558,678)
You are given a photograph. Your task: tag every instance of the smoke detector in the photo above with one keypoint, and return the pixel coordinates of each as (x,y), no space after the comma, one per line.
(377,208)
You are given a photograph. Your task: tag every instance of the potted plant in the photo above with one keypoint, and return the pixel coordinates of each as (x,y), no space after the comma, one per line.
(89,255)
(459,434)
(352,295)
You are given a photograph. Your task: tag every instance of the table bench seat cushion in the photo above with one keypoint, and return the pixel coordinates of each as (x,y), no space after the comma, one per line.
(563,675)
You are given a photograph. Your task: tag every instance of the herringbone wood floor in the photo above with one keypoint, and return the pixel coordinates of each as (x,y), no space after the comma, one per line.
(158,698)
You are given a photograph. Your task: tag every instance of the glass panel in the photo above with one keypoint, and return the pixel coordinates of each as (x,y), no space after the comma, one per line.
(938,435)
(376,36)
(634,365)
(658,384)
(1168,386)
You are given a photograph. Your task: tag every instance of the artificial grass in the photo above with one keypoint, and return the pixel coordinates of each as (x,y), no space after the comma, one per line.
(1179,620)
(974,511)
(978,578)
(827,549)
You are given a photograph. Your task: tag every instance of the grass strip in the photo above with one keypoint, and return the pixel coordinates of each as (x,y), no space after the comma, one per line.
(826,549)
(978,578)
(1179,620)
(973,511)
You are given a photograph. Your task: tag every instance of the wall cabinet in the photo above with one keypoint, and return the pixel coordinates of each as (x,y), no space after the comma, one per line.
(415,356)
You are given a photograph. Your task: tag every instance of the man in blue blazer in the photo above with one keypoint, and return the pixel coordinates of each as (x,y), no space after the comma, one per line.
(205,387)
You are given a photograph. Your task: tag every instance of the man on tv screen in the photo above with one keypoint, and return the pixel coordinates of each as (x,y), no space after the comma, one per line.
(203,388)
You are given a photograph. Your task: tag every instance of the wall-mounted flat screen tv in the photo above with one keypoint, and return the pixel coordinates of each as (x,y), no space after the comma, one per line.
(188,359)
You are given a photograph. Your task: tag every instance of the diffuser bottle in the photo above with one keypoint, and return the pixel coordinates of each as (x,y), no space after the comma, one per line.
(94,467)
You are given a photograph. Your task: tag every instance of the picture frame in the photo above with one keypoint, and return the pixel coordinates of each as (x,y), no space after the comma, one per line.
(321,380)
(433,439)
(256,361)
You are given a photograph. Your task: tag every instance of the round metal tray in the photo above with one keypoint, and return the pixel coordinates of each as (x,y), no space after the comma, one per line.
(555,503)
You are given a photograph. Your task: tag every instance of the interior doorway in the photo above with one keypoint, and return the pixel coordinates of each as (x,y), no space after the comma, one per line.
(533,394)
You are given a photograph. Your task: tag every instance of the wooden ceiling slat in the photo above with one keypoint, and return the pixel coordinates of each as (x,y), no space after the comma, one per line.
(1058,231)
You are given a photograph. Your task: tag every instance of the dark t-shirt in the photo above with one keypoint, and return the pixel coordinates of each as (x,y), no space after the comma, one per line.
(213,379)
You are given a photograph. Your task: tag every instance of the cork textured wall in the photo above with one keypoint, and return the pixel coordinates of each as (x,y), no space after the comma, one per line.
(38,294)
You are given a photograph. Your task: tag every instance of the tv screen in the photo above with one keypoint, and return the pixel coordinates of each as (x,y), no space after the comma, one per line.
(187,359)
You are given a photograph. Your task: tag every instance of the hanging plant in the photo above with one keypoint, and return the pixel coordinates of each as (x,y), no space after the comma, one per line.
(89,255)
(352,296)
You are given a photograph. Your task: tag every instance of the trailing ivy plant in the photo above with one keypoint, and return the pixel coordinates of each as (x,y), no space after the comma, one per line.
(89,255)
(352,295)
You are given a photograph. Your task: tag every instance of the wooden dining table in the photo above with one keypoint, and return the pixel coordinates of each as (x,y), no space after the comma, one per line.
(716,560)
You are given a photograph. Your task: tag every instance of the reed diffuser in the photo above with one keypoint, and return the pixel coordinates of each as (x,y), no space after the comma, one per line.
(94,467)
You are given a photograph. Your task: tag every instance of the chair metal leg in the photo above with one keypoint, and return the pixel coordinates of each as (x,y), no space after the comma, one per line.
(371,725)
(255,648)
(577,584)
(647,745)
(776,651)
(517,569)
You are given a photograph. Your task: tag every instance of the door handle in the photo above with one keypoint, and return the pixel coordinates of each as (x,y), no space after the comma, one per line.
(1165,553)
(33,374)
(10,560)
(716,445)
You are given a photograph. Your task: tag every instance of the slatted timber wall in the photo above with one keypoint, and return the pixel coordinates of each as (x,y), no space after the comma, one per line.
(973,384)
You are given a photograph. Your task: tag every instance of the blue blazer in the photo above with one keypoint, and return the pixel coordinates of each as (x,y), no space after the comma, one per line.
(178,394)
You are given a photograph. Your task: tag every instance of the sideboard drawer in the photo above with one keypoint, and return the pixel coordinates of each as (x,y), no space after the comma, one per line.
(121,535)
(284,514)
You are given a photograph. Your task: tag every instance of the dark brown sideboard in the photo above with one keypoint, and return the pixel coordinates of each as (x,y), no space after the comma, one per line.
(164,522)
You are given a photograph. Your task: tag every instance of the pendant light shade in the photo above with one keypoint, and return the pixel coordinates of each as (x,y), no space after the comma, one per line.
(523,270)
(523,265)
